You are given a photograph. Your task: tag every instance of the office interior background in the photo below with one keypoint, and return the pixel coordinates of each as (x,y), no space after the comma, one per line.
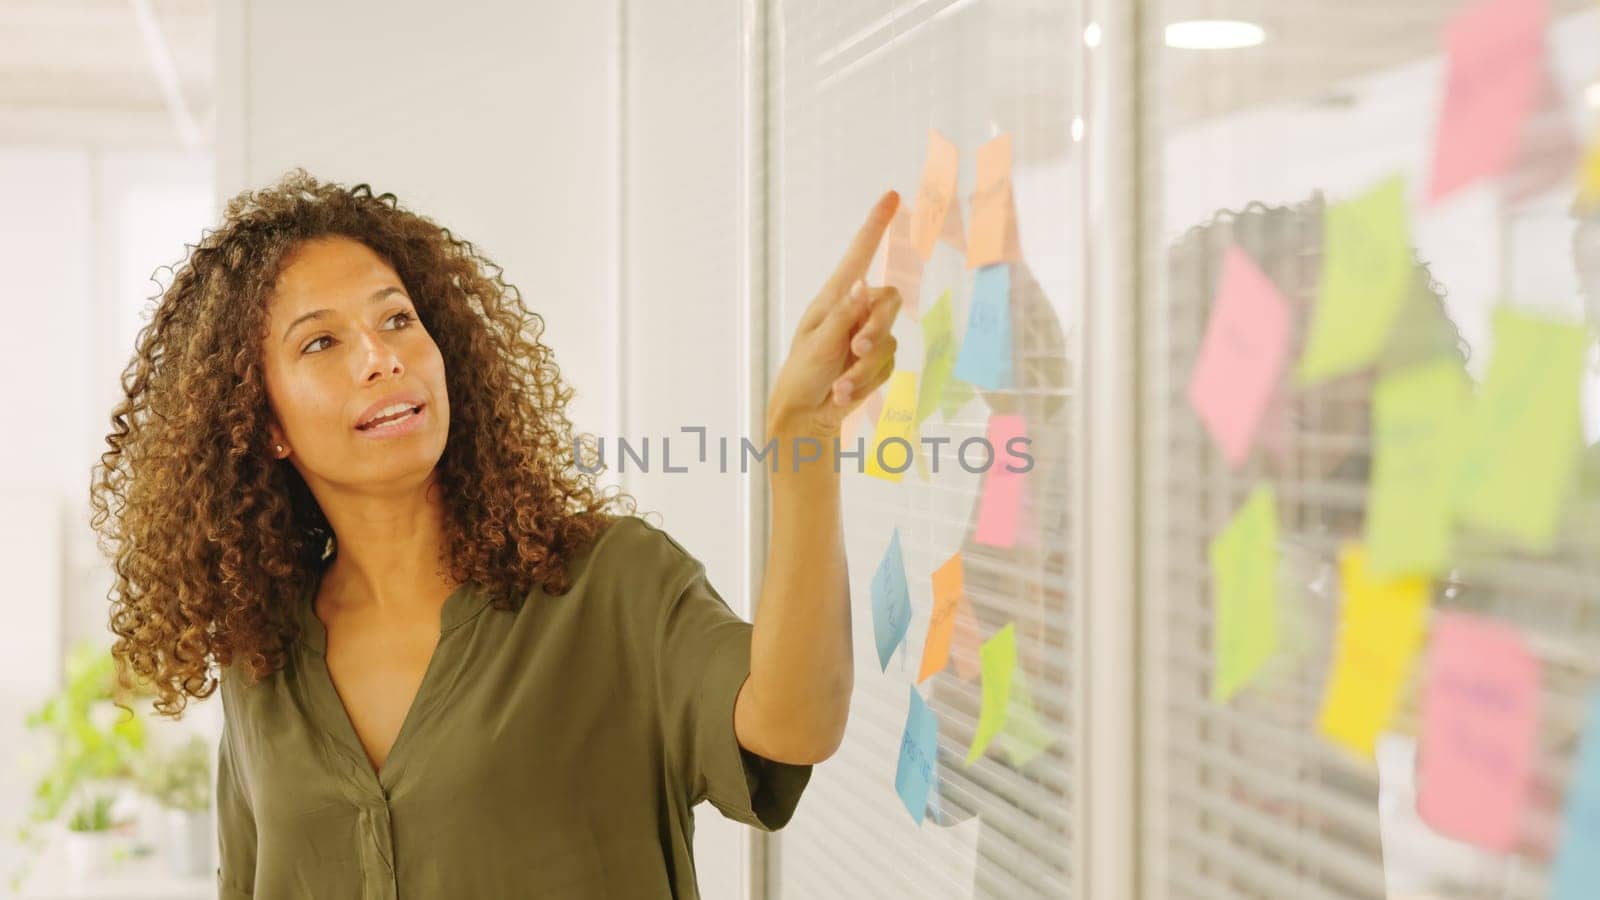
(1212,691)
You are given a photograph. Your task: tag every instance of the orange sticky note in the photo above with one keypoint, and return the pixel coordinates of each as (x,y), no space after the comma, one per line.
(965,642)
(936,194)
(955,231)
(901,267)
(994,221)
(941,626)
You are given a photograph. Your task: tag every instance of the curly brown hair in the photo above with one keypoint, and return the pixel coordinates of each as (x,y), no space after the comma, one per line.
(211,538)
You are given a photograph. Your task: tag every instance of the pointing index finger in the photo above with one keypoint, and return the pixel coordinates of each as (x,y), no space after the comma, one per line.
(859,255)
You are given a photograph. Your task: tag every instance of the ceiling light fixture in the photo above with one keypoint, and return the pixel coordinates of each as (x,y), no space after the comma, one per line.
(1214,34)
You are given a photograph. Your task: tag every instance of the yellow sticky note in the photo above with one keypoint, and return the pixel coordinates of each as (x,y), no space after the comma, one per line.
(1525,430)
(1024,735)
(1244,577)
(1380,630)
(1419,416)
(1589,184)
(999,659)
(1366,273)
(898,420)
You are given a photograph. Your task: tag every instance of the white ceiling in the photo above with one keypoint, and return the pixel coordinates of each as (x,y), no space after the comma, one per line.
(88,72)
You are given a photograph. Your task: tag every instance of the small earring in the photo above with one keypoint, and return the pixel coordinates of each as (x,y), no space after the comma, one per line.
(278,447)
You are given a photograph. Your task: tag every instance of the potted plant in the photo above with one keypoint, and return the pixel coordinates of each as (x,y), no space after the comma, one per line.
(179,780)
(91,841)
(94,736)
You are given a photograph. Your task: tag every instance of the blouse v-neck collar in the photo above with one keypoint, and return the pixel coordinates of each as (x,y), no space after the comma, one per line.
(463,603)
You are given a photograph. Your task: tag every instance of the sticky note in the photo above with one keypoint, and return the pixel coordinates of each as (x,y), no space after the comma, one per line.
(1380,631)
(947,594)
(1577,869)
(887,458)
(891,602)
(1589,180)
(1367,271)
(994,221)
(1480,710)
(985,357)
(999,660)
(966,645)
(1244,578)
(936,193)
(901,267)
(1002,487)
(1024,736)
(868,411)
(1241,357)
(955,232)
(919,754)
(1525,430)
(1495,53)
(1418,423)
(939,362)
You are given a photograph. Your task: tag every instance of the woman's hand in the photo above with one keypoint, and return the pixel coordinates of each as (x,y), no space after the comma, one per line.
(842,349)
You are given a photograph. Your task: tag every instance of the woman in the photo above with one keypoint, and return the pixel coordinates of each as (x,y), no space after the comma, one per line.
(450,668)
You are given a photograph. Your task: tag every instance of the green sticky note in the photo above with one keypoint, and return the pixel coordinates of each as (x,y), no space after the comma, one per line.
(1366,273)
(1524,430)
(1244,578)
(938,356)
(1024,736)
(999,659)
(1419,419)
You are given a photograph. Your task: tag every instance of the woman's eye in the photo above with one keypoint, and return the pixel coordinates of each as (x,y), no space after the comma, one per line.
(406,321)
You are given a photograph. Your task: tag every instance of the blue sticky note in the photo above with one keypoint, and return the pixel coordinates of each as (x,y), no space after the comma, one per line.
(891,602)
(1577,873)
(985,358)
(919,746)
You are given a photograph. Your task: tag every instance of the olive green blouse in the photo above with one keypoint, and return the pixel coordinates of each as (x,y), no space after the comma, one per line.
(552,751)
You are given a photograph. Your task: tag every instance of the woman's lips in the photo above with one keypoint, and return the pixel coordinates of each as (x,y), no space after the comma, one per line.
(403,425)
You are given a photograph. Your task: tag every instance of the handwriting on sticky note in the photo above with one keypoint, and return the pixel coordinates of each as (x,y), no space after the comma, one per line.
(994,222)
(1525,430)
(985,356)
(890,454)
(947,594)
(1003,483)
(891,602)
(1577,870)
(1419,419)
(1480,711)
(902,267)
(1367,272)
(999,660)
(936,193)
(919,747)
(1244,578)
(1380,630)
(1495,51)
(1241,357)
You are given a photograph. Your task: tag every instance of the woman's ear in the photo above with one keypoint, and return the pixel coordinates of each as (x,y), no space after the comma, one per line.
(277,443)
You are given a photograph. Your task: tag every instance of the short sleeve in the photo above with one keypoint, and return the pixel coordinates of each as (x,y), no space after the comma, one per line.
(236,828)
(702,660)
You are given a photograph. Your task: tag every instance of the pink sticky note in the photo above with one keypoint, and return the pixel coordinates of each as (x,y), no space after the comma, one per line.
(868,411)
(1480,710)
(1002,488)
(1496,54)
(1241,357)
